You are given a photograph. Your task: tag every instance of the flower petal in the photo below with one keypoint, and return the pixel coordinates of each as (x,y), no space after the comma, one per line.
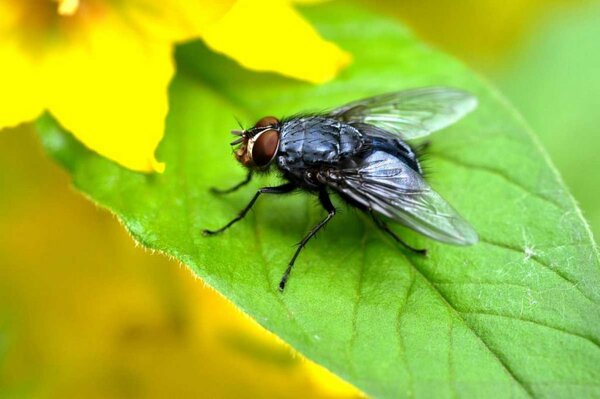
(270,35)
(20,100)
(175,20)
(110,90)
(105,72)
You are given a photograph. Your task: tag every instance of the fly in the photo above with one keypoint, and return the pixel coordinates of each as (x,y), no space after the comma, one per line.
(360,152)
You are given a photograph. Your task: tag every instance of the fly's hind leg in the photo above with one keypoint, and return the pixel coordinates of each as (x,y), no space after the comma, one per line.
(241,184)
(326,202)
(384,227)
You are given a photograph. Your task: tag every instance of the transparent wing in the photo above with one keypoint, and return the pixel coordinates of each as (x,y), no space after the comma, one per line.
(388,186)
(411,113)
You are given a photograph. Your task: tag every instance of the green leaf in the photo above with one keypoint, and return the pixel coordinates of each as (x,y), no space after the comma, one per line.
(516,315)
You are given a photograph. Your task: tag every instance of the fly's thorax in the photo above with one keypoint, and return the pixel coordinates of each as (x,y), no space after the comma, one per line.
(259,144)
(313,140)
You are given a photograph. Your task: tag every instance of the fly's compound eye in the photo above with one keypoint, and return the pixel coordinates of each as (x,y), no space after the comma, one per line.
(267,121)
(264,147)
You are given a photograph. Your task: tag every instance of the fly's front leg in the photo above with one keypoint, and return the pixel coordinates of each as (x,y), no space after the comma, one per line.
(326,202)
(284,188)
(241,184)
(383,226)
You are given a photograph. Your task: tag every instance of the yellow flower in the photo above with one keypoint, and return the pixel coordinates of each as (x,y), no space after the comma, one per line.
(102,67)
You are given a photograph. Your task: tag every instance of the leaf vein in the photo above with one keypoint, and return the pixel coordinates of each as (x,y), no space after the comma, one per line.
(361,272)
(590,339)
(265,268)
(500,174)
(546,265)
(401,345)
(510,372)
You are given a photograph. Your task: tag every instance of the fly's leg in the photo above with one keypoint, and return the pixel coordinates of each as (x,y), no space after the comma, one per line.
(383,226)
(326,202)
(241,184)
(284,188)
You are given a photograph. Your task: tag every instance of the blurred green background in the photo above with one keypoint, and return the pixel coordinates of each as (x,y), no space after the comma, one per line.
(86,313)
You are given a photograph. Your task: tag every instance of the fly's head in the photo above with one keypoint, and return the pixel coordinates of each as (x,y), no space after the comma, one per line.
(259,144)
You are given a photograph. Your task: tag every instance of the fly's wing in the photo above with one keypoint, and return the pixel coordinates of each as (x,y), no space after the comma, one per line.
(411,113)
(388,186)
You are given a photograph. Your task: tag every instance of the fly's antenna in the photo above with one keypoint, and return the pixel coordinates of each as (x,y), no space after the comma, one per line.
(238,122)
(241,132)
(237,141)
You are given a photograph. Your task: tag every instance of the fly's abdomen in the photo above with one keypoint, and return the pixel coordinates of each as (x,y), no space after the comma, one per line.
(396,148)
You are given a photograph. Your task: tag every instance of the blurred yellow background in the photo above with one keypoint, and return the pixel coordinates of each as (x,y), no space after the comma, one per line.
(86,313)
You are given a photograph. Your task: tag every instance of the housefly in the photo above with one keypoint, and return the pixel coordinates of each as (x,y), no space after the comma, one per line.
(360,152)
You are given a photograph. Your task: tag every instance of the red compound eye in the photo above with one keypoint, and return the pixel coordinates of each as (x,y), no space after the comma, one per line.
(265,146)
